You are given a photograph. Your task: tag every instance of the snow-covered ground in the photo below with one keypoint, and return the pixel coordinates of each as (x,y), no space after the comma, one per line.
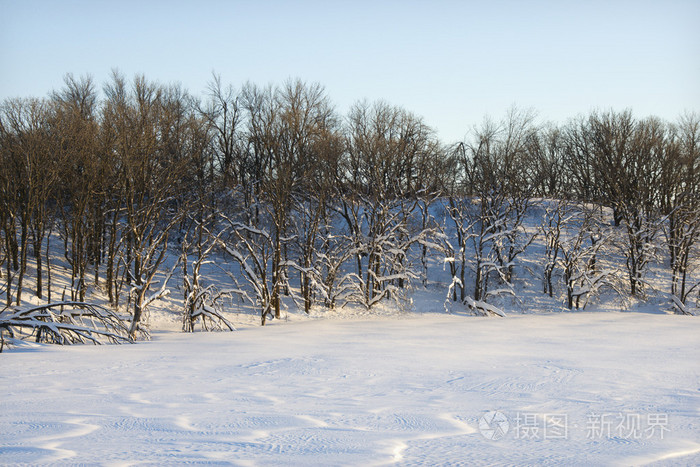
(574,388)
(409,384)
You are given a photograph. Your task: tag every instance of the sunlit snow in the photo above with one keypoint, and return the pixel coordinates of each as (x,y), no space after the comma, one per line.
(576,388)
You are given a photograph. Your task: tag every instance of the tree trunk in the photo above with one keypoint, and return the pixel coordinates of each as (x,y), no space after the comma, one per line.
(39,276)
(38,237)
(138,311)
(9,282)
(569,289)
(477,282)
(48,266)
(23,262)
(13,246)
(276,269)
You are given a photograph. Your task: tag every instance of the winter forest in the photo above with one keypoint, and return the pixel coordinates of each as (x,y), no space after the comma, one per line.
(142,189)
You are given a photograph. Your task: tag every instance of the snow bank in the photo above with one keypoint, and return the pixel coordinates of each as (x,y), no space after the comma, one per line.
(574,388)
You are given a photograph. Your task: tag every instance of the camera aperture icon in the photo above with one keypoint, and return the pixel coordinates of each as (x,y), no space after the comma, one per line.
(494,425)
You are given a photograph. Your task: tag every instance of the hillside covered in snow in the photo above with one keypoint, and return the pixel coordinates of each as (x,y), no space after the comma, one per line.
(526,296)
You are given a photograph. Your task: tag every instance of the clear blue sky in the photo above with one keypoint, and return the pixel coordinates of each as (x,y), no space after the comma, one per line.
(452,62)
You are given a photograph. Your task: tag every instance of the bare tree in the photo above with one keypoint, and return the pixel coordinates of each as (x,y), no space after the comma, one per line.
(493,222)
(680,202)
(334,251)
(546,164)
(149,179)
(77,130)
(556,217)
(29,181)
(627,156)
(580,169)
(320,152)
(202,303)
(582,250)
(386,149)
(253,249)
(223,111)
(286,127)
(576,238)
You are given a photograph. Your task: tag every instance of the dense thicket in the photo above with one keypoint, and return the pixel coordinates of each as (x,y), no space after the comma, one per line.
(347,208)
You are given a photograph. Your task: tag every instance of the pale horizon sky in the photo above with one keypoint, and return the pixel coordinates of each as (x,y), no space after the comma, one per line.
(450,62)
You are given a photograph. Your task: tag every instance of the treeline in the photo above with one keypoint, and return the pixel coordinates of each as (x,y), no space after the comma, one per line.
(277,180)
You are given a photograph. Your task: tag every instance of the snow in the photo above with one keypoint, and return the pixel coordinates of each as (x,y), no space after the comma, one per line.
(407,388)
(407,382)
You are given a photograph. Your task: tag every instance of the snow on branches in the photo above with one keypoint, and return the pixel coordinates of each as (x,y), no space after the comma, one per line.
(203,304)
(490,235)
(382,237)
(66,323)
(577,241)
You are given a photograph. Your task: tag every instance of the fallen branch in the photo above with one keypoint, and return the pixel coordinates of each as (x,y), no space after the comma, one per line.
(66,323)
